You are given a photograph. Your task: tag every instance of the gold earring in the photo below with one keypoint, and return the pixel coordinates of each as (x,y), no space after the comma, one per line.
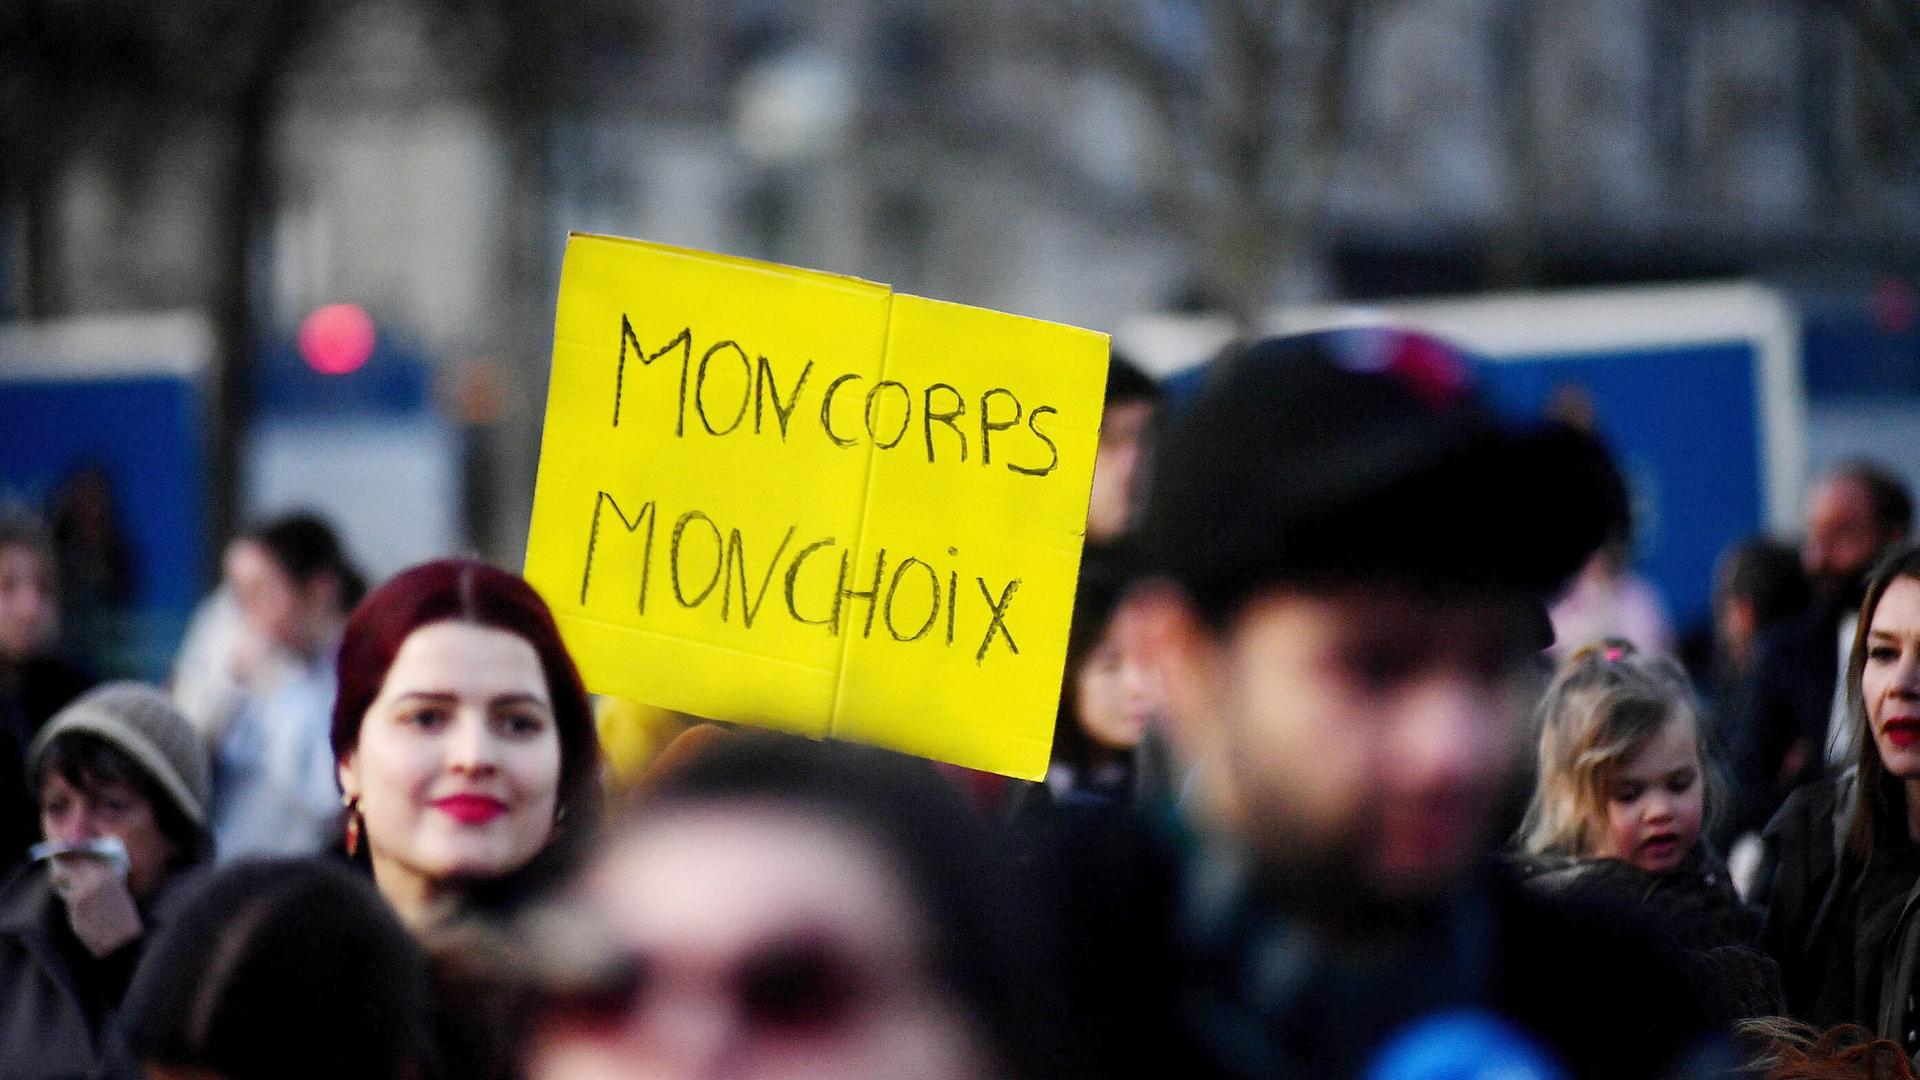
(352,805)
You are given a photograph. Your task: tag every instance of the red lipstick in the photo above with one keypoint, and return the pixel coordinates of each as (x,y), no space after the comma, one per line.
(1902,731)
(471,809)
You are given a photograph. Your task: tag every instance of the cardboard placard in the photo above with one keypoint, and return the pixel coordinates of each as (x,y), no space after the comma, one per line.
(787,498)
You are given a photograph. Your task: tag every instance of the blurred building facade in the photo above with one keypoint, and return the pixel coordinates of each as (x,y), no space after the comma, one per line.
(1081,162)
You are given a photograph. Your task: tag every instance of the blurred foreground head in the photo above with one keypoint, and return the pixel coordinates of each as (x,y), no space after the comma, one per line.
(1353,554)
(781,908)
(283,969)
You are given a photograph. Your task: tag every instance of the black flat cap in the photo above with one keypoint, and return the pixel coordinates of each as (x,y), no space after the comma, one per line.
(1360,455)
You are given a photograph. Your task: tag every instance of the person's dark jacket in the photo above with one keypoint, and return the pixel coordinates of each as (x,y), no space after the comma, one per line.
(1787,699)
(1693,909)
(1159,991)
(58,1003)
(1847,937)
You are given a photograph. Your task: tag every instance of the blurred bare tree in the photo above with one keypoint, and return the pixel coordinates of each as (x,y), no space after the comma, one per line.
(113,79)
(68,78)
(1249,101)
(536,68)
(1888,32)
(1236,116)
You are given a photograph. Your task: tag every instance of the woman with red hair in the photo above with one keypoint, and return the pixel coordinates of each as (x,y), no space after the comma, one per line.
(464,740)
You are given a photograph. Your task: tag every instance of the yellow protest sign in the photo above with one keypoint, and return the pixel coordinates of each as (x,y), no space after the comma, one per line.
(787,498)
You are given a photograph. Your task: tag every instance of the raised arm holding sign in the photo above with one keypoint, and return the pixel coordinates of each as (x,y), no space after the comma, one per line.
(775,496)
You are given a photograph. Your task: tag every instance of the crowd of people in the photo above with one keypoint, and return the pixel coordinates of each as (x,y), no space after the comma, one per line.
(1369,763)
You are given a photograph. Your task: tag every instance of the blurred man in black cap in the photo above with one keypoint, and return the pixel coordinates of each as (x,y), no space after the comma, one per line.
(1348,559)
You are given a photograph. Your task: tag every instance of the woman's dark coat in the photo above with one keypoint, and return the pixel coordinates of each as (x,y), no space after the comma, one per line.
(1843,959)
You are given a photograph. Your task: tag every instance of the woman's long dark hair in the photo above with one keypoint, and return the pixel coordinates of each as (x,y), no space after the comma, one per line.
(470,591)
(1875,794)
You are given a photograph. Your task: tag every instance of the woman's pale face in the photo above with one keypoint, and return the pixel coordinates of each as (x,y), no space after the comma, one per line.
(1890,678)
(768,944)
(458,764)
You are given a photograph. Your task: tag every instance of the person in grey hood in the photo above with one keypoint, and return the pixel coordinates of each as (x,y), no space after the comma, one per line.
(120,779)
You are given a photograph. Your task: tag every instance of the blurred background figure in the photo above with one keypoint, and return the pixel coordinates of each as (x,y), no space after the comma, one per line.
(201,679)
(98,585)
(779,908)
(34,681)
(1125,450)
(1758,584)
(119,765)
(1854,513)
(1110,701)
(270,688)
(1608,598)
(283,968)
(1109,698)
(464,742)
(1793,725)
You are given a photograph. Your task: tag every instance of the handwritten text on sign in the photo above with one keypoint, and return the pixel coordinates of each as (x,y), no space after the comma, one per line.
(777,496)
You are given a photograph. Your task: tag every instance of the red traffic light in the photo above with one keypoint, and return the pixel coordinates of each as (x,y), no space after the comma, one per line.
(337,339)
